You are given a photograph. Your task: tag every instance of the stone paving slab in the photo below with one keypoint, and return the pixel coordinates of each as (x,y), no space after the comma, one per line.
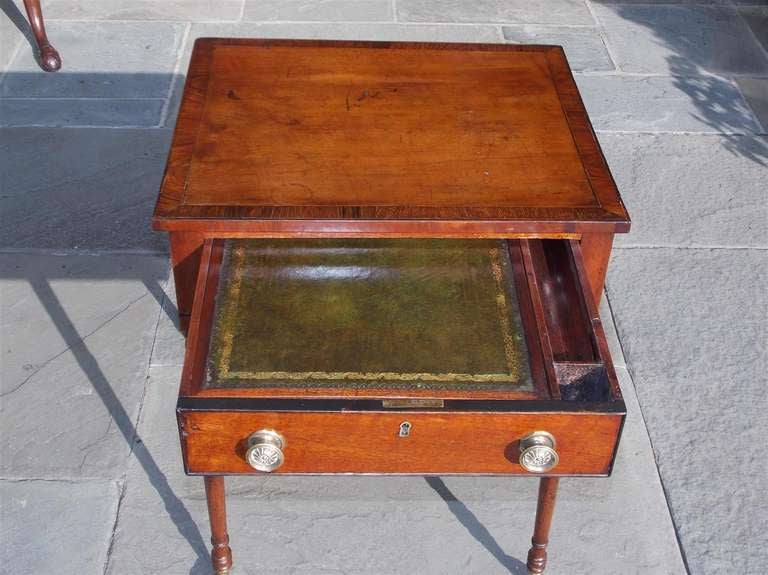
(325,11)
(94,189)
(755,90)
(757,18)
(81,188)
(77,333)
(707,104)
(96,112)
(101,60)
(691,190)
(59,527)
(692,324)
(584,47)
(566,12)
(185,10)
(389,525)
(680,40)
(10,37)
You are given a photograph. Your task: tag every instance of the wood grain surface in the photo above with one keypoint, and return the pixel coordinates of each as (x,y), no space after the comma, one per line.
(374,138)
(449,443)
(575,396)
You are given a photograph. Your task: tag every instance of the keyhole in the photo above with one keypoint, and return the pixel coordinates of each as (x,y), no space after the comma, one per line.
(405,429)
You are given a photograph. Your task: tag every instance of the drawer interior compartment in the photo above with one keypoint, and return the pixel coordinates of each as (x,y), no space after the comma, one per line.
(497,338)
(568,324)
(492,319)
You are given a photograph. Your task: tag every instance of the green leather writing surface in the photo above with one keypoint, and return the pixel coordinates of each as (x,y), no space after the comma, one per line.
(360,313)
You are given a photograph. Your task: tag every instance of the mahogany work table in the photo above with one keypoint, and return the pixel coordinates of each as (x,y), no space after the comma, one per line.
(381,250)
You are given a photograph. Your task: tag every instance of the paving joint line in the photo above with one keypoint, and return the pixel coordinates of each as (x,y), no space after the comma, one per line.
(615,331)
(64,252)
(79,127)
(136,437)
(112,536)
(14,52)
(135,21)
(701,73)
(149,362)
(693,247)
(751,108)
(172,83)
(603,36)
(751,32)
(314,22)
(756,135)
(678,539)
(85,99)
(58,479)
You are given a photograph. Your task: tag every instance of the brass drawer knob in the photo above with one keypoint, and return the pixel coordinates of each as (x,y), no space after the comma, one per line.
(537,452)
(265,450)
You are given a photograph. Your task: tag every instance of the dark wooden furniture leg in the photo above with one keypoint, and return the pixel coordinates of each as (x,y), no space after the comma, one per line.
(186,249)
(537,556)
(221,554)
(596,250)
(49,57)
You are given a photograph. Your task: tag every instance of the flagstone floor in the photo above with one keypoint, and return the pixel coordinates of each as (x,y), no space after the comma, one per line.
(90,473)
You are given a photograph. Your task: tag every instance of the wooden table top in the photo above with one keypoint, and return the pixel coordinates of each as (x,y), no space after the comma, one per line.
(316,138)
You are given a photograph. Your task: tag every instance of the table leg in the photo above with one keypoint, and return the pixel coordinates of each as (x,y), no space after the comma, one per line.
(537,556)
(49,57)
(221,555)
(186,249)
(596,250)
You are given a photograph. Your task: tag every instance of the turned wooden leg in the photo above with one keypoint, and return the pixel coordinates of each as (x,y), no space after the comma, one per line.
(596,250)
(186,249)
(221,555)
(537,556)
(49,57)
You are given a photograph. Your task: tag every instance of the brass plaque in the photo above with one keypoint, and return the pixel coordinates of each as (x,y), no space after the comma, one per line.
(415,403)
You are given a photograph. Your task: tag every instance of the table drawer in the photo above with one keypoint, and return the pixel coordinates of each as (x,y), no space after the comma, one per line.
(215,442)
(335,345)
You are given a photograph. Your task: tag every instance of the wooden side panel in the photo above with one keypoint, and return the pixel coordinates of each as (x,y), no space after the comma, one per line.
(596,250)
(186,249)
(355,442)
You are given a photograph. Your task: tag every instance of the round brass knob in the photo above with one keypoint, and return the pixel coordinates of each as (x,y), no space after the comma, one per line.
(265,450)
(537,452)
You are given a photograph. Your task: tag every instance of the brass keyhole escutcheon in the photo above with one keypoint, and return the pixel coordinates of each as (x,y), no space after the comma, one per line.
(265,450)
(405,429)
(537,452)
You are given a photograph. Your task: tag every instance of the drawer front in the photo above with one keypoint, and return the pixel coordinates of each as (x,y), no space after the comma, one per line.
(215,442)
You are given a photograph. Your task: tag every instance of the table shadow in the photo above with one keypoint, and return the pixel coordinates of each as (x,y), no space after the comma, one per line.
(89,365)
(475,528)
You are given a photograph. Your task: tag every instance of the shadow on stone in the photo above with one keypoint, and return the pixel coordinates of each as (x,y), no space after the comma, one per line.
(691,43)
(475,528)
(715,109)
(20,21)
(89,365)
